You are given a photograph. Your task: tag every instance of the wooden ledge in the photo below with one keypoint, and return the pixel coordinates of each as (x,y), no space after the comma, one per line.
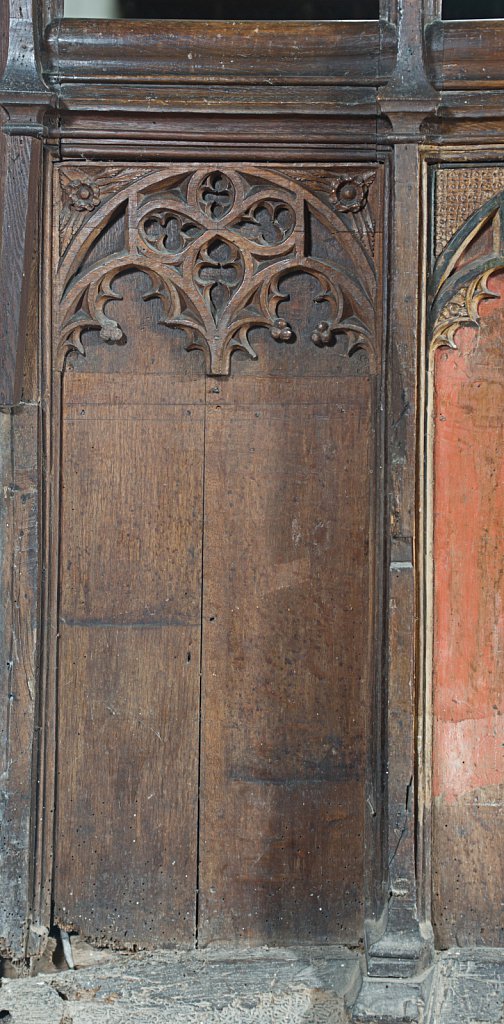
(347,53)
(466,54)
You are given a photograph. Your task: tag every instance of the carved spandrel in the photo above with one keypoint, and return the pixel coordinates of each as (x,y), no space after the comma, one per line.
(468,241)
(346,194)
(218,246)
(82,190)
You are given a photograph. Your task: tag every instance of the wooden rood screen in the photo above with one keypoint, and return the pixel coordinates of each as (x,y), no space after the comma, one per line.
(216,378)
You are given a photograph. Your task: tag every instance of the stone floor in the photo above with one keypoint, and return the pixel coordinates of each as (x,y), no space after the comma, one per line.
(281,986)
(469,986)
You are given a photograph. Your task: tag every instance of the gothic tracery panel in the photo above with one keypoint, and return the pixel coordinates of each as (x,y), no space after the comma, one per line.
(218,247)
(214,547)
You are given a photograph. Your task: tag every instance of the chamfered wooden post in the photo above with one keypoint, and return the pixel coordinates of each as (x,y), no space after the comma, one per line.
(400,943)
(24,100)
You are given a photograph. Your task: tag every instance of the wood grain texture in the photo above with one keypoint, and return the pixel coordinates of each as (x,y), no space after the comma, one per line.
(165,51)
(215,130)
(161,270)
(128,709)
(466,54)
(281,94)
(217,246)
(400,949)
(401,489)
(285,659)
(18,666)
(19,214)
(4,36)
(468,766)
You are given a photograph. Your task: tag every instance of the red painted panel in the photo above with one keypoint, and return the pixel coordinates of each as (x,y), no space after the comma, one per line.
(468,696)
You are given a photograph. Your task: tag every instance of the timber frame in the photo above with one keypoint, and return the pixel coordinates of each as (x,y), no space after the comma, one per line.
(405,91)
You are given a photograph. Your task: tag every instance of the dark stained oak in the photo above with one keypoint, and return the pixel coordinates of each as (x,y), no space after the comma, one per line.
(230,244)
(217,345)
(466,54)
(164,51)
(129,627)
(18,667)
(286,685)
(18,238)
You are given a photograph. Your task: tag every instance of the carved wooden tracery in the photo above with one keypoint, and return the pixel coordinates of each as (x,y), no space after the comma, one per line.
(218,246)
(472,254)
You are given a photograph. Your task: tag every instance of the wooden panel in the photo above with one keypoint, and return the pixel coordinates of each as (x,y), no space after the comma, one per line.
(285,658)
(267,274)
(129,656)
(126,835)
(468,630)
(131,500)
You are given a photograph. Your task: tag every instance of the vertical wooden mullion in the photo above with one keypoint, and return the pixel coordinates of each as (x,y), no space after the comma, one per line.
(44,786)
(201,680)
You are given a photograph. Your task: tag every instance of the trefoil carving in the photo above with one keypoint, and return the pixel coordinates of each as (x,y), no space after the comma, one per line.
(218,248)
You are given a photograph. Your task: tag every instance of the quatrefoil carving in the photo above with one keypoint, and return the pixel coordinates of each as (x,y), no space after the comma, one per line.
(217,247)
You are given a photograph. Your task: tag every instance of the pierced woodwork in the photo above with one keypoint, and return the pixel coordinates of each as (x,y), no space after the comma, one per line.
(273,275)
(461,310)
(254,651)
(218,248)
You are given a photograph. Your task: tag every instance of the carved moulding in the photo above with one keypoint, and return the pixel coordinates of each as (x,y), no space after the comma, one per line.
(459,283)
(218,247)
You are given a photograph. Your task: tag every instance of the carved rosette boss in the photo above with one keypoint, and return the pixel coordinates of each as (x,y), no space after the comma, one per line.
(218,247)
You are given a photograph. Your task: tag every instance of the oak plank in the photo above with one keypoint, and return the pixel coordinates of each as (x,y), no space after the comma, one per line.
(285,659)
(128,708)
